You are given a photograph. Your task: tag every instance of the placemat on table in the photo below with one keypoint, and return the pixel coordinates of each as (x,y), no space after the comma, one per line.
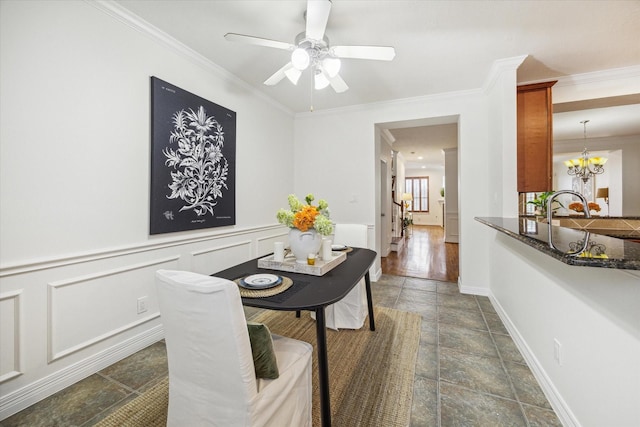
(263,293)
(283,296)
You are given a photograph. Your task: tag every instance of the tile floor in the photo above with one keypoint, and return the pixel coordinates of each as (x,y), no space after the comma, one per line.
(469,372)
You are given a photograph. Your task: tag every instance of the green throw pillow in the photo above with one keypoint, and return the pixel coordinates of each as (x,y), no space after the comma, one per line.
(264,358)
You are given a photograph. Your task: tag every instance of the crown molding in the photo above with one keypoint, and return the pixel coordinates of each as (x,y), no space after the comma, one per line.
(600,76)
(498,67)
(386,134)
(418,100)
(593,77)
(132,20)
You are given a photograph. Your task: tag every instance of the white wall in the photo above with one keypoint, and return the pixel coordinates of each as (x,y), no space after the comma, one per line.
(383,226)
(76,254)
(596,322)
(592,312)
(621,172)
(347,140)
(452,196)
(74,189)
(631,178)
(434,216)
(316,161)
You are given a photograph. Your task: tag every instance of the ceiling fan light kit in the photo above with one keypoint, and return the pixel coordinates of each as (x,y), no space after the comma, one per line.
(311,50)
(320,80)
(300,59)
(331,66)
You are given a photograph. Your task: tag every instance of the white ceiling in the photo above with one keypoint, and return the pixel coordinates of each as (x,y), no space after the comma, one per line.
(441,46)
(419,139)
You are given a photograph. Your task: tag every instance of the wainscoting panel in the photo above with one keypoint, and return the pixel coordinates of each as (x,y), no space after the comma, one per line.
(265,244)
(217,258)
(10,335)
(62,319)
(88,309)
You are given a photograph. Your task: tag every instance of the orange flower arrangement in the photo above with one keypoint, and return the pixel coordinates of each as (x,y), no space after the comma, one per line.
(305,218)
(578,207)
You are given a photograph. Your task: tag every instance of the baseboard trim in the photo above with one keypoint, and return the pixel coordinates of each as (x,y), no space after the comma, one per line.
(472,290)
(45,387)
(563,411)
(376,275)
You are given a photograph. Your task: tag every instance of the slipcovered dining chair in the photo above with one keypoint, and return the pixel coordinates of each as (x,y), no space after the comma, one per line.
(212,377)
(351,311)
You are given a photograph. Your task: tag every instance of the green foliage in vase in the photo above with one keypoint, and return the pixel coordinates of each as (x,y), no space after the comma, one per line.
(304,217)
(540,202)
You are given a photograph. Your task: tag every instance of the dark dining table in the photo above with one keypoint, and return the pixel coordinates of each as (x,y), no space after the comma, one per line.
(314,293)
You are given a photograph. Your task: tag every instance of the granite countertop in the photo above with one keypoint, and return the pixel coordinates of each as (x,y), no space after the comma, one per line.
(601,251)
(621,227)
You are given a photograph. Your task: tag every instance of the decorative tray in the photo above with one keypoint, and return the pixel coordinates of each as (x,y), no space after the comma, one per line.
(289,264)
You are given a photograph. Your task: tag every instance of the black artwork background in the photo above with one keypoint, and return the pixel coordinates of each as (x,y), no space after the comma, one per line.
(165,215)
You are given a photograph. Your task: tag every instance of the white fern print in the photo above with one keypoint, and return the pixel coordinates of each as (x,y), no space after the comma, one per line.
(199,169)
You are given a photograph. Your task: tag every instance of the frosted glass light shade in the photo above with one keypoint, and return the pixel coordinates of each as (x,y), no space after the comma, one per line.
(300,59)
(320,81)
(331,66)
(598,160)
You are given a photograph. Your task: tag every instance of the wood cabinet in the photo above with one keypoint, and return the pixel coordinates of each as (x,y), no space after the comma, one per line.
(535,137)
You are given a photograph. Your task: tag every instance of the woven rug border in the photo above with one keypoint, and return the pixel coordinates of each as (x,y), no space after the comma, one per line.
(371,383)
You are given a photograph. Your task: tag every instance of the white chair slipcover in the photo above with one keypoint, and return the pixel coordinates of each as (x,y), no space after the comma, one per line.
(211,373)
(351,311)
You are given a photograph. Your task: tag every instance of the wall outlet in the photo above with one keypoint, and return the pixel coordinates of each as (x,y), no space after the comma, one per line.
(557,351)
(143,304)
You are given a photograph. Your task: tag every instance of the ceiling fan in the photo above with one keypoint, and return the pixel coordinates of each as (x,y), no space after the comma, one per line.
(311,49)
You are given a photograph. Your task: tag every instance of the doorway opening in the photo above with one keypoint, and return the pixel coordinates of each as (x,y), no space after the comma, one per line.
(430,244)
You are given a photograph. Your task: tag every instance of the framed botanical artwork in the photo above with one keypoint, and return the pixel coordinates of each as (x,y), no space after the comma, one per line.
(193,161)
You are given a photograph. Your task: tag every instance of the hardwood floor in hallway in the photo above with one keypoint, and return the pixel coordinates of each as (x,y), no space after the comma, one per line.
(424,255)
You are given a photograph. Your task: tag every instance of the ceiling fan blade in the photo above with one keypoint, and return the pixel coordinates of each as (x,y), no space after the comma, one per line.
(381,53)
(317,16)
(336,82)
(278,75)
(293,74)
(259,41)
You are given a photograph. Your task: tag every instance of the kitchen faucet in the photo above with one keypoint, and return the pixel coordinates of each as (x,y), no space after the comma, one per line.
(573,193)
(550,215)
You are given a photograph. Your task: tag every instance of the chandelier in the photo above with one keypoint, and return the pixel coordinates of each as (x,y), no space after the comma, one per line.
(588,248)
(585,167)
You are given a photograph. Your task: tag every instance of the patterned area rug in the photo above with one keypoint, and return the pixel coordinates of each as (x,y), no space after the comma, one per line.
(370,373)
